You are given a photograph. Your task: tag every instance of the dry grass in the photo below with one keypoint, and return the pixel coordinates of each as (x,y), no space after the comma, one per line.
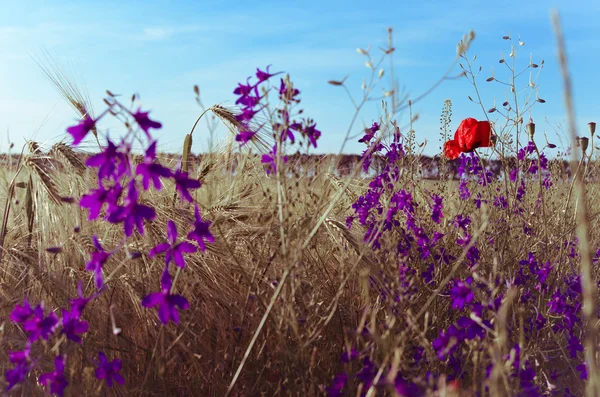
(288,285)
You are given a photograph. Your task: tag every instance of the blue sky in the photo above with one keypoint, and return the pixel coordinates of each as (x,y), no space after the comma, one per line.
(161,49)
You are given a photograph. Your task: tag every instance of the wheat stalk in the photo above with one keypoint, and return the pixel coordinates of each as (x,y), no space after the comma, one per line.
(30,209)
(67,88)
(61,150)
(38,166)
(341,186)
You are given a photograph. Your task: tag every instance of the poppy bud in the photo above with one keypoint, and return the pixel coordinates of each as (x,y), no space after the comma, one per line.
(592,127)
(583,142)
(531,130)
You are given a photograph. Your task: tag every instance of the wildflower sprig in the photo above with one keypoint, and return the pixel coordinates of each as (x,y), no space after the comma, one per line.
(115,200)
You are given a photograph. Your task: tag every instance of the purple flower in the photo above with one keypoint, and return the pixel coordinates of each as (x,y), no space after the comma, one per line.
(446,342)
(286,128)
(183,184)
(583,371)
(20,356)
(132,214)
(270,159)
(246,115)
(530,262)
(461,295)
(500,201)
(478,200)
(369,133)
(152,171)
(543,273)
(436,210)
(337,387)
(574,345)
(109,370)
(264,76)
(81,129)
(463,190)
(78,304)
(201,231)
(525,151)
(97,261)
(95,200)
(168,303)
(244,92)
(312,133)
(462,222)
(349,356)
(20,314)
(17,374)
(73,324)
(405,388)
(244,136)
(144,121)
(174,250)
(244,89)
(56,379)
(111,162)
(39,325)
(288,93)
(547,182)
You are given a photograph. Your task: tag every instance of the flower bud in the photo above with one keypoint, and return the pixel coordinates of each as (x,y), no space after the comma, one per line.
(592,127)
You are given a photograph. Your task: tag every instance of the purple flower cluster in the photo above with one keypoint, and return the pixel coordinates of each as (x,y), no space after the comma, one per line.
(283,125)
(116,200)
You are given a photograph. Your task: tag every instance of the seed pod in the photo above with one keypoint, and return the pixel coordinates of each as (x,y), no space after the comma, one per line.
(592,127)
(531,130)
(583,142)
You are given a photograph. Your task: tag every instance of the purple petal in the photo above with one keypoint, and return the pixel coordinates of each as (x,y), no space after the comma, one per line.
(153,299)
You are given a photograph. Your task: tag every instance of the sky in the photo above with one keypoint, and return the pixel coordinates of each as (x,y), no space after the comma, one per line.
(161,49)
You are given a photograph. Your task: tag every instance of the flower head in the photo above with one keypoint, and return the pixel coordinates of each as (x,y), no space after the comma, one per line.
(109,370)
(244,136)
(81,129)
(168,303)
(56,378)
(111,162)
(183,184)
(40,326)
(201,231)
(470,135)
(132,214)
(265,75)
(461,295)
(97,261)
(73,325)
(17,374)
(144,121)
(20,314)
(173,250)
(152,171)
(97,198)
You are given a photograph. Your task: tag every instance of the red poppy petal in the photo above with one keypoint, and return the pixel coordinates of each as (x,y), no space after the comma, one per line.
(484,132)
(466,134)
(452,150)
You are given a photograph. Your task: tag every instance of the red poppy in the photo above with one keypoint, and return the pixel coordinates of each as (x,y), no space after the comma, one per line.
(470,135)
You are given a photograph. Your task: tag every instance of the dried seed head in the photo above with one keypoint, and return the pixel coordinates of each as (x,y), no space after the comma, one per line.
(592,127)
(531,130)
(583,142)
